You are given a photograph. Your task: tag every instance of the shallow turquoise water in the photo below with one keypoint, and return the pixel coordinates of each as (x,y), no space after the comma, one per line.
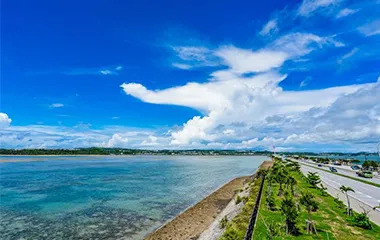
(106,197)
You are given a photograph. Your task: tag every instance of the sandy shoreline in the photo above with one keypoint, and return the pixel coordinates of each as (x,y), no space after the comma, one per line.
(196,219)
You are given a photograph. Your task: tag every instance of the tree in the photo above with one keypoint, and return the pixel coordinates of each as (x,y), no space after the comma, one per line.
(307,200)
(289,209)
(280,175)
(345,190)
(291,182)
(294,166)
(323,190)
(313,179)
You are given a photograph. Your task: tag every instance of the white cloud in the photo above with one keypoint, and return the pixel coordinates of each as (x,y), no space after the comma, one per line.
(111,71)
(371,28)
(182,66)
(229,96)
(348,55)
(56,105)
(308,7)
(229,132)
(269,28)
(346,12)
(5,121)
(194,56)
(243,61)
(151,141)
(117,141)
(306,81)
(115,118)
(299,44)
(106,72)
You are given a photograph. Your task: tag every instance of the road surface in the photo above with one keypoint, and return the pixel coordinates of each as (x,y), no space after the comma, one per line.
(344,170)
(365,193)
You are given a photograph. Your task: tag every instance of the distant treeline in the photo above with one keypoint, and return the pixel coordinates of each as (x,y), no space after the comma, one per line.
(122,151)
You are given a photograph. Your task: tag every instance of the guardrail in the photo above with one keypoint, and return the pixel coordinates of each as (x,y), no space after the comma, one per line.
(255,211)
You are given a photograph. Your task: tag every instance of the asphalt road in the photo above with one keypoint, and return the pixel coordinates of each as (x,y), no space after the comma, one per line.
(344,171)
(365,193)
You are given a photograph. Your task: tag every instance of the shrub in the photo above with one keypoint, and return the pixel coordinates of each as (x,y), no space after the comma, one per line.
(271,204)
(339,203)
(238,199)
(223,222)
(244,199)
(362,220)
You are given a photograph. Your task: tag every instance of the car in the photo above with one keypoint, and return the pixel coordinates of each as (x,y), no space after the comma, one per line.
(364,174)
(355,167)
(319,165)
(332,169)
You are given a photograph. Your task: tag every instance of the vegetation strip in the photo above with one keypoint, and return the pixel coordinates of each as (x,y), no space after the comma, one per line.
(342,175)
(295,206)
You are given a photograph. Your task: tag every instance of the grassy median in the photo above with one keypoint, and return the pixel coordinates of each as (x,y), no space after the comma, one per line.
(329,216)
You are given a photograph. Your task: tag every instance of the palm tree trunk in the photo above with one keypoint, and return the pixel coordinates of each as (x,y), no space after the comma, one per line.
(348,205)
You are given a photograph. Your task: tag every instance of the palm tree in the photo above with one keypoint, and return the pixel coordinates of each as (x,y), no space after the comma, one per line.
(289,209)
(323,190)
(280,176)
(307,199)
(291,182)
(313,179)
(345,190)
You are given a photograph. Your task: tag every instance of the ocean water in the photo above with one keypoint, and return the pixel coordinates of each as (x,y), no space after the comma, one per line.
(106,197)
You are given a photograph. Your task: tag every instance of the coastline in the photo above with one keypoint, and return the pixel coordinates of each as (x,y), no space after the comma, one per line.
(196,219)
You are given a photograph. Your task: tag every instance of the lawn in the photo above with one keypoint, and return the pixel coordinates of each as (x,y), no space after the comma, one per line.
(330,219)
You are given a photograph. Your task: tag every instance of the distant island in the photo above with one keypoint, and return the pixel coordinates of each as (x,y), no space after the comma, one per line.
(192,152)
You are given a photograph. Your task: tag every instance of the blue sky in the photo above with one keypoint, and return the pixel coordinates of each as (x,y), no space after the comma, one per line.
(300,75)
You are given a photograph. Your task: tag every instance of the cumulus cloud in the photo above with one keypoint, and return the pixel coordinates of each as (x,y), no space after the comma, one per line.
(151,141)
(230,97)
(243,60)
(117,141)
(5,121)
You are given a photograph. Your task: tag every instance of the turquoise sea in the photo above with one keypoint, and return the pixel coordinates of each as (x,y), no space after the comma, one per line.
(106,197)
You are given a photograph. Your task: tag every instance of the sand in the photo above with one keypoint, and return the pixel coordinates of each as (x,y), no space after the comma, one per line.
(191,223)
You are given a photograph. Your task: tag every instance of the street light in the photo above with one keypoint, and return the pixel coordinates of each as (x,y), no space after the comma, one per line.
(378,148)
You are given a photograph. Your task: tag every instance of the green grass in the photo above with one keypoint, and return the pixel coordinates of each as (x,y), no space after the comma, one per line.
(353,178)
(330,220)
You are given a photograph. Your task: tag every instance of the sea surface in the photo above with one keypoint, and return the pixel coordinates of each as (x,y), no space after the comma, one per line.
(106,197)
